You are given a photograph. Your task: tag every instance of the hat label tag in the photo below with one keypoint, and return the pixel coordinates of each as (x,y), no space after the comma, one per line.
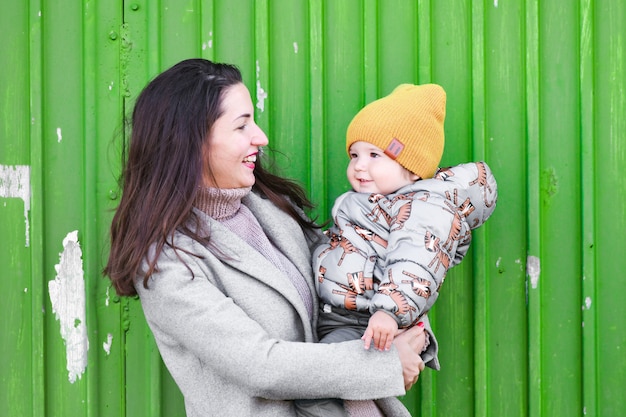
(394,149)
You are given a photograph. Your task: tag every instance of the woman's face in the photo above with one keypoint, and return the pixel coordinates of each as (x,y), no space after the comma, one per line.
(233,142)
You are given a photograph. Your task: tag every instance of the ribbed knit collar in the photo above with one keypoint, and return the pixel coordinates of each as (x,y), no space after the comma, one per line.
(220,203)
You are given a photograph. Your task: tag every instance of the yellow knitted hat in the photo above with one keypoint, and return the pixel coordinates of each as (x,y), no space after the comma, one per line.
(407,125)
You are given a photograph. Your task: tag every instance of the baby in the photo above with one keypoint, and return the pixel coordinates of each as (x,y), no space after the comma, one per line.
(405,224)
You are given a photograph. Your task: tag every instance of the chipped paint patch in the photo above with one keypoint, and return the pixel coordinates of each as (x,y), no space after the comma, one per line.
(59,135)
(295,47)
(67,294)
(107,345)
(261,94)
(15,183)
(495,3)
(209,43)
(587,303)
(533,268)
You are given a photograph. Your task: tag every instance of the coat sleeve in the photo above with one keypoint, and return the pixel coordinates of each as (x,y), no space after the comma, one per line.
(200,329)
(474,193)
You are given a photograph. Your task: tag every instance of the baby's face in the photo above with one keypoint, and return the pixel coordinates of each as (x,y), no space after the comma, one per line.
(371,171)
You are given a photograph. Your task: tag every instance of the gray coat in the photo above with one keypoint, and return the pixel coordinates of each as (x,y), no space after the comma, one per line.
(231,328)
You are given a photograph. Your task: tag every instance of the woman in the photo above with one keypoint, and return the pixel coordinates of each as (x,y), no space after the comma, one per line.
(218,250)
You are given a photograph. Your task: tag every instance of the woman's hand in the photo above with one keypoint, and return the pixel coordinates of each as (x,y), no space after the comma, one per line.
(410,344)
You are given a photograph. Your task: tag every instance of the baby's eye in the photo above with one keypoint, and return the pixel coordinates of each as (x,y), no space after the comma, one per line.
(374,155)
(352,155)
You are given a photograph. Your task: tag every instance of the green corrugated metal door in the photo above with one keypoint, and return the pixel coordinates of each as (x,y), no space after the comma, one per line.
(531,323)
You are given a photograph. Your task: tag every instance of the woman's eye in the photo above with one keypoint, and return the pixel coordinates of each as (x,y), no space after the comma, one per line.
(242,127)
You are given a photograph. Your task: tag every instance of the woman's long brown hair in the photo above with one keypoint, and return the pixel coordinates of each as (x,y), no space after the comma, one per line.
(163,165)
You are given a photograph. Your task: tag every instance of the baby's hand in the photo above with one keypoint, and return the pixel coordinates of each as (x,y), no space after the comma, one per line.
(381,328)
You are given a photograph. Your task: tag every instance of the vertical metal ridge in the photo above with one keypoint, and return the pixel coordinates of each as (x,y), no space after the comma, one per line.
(610,153)
(424,74)
(262,59)
(156,385)
(533,165)
(533,295)
(125,108)
(89,240)
(155,57)
(371,25)
(478,87)
(318,133)
(424,42)
(206,14)
(37,281)
(154,43)
(587,120)
(108,344)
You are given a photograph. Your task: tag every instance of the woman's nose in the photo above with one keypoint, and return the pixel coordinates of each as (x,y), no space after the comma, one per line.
(259,138)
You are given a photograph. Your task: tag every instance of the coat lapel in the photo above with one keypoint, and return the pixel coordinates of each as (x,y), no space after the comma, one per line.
(285,234)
